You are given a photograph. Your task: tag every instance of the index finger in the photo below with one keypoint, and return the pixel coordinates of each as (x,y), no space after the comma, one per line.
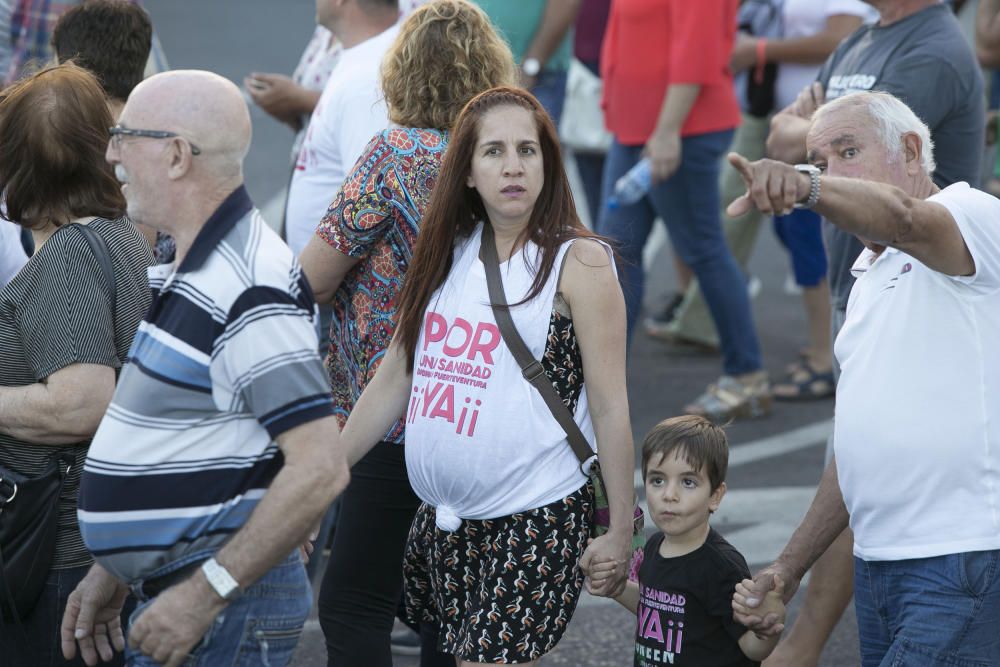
(742,165)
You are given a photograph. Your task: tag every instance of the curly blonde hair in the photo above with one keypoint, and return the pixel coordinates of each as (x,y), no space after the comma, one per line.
(446,53)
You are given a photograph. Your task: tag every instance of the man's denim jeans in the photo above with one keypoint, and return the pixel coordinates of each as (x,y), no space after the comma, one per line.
(260,628)
(929,611)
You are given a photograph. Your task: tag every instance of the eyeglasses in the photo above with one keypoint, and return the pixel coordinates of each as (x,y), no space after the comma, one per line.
(117,132)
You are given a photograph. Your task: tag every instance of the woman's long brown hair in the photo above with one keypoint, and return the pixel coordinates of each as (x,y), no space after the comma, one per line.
(455,209)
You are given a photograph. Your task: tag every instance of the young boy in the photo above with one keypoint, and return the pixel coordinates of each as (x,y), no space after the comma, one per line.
(688,575)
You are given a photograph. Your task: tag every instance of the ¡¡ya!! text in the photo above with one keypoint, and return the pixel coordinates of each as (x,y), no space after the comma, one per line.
(465,358)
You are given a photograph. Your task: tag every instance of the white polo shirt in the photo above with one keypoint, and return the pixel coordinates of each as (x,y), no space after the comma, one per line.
(917,425)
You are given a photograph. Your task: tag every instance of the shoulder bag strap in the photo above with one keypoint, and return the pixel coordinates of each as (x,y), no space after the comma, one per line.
(531,368)
(99,248)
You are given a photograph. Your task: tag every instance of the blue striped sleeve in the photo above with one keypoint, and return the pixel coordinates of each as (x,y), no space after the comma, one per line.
(269,349)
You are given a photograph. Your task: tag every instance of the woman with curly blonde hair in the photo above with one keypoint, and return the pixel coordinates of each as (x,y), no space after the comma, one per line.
(446,53)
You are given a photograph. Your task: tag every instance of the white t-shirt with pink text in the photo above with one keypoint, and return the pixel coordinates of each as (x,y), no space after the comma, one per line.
(480,441)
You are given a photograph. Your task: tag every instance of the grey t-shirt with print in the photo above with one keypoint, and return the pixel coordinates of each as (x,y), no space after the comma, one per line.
(925,61)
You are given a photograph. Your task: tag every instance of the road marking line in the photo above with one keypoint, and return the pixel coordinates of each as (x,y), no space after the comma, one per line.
(775,445)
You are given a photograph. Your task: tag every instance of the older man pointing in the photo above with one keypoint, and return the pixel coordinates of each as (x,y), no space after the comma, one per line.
(916,470)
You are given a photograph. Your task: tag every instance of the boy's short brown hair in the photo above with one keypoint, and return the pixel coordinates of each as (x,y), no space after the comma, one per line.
(702,444)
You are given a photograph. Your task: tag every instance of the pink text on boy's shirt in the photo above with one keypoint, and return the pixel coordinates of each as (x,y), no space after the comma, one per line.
(660,618)
(651,626)
(460,337)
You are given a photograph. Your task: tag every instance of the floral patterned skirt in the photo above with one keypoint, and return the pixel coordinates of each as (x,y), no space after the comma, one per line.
(501,590)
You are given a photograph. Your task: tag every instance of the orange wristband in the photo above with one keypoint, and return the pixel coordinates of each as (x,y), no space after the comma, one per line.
(758,72)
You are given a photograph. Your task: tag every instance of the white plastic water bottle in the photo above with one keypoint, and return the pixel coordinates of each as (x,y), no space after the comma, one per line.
(633,186)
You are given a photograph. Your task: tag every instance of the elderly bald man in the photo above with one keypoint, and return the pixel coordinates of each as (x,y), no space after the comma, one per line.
(215,458)
(916,467)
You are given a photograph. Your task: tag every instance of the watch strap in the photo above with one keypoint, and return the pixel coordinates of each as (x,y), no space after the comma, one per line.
(814,185)
(219,579)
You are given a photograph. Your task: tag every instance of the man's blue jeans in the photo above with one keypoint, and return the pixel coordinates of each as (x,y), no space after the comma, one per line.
(929,611)
(260,628)
(688,202)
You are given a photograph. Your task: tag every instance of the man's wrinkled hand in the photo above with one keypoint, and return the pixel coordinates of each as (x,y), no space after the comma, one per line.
(92,618)
(773,187)
(750,595)
(175,622)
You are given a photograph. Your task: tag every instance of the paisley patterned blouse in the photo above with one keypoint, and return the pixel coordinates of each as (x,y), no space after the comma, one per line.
(375,218)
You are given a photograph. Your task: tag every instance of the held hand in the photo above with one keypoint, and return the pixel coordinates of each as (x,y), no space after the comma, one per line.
(177,619)
(92,618)
(597,574)
(749,599)
(773,187)
(664,152)
(744,54)
(602,552)
(810,99)
(771,606)
(307,547)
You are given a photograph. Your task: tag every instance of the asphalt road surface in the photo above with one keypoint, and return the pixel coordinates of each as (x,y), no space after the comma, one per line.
(776,462)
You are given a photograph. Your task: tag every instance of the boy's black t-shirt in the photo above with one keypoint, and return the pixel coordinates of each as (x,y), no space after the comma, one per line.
(685,614)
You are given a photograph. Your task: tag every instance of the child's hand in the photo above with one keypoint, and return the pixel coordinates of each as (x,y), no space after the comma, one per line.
(594,566)
(597,574)
(771,604)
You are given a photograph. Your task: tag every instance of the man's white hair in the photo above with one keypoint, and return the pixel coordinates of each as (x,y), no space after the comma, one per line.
(892,119)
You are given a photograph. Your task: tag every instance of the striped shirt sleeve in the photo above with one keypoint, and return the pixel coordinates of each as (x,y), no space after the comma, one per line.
(269,353)
(67,311)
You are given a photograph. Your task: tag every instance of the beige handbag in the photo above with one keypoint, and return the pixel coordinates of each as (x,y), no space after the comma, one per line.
(582,125)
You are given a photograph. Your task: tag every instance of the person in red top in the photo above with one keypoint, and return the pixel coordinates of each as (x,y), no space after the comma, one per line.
(668,96)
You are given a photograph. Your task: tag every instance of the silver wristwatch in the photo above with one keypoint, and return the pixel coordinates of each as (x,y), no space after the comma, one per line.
(220,579)
(814,174)
(531,66)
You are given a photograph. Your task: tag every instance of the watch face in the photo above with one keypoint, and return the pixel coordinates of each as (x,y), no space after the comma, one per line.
(531,66)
